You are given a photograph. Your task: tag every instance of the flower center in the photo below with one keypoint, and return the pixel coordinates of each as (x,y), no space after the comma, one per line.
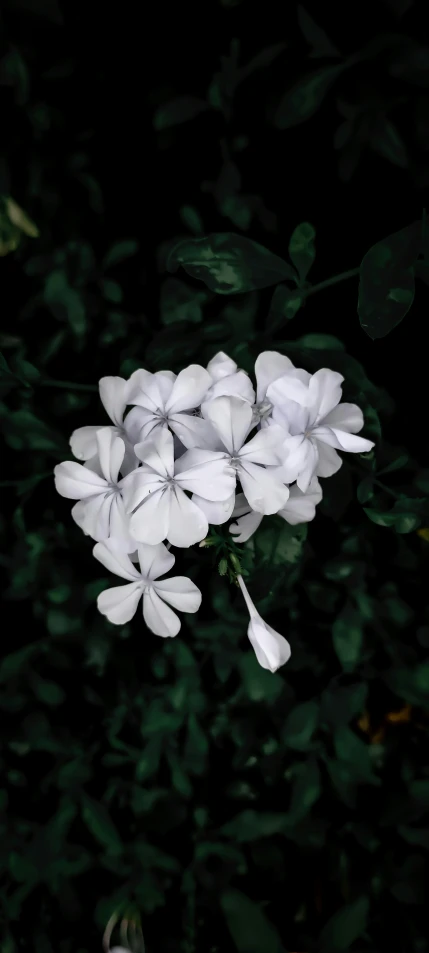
(235,462)
(263,409)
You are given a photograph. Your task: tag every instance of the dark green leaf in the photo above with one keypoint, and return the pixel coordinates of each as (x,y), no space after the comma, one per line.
(347,637)
(316,37)
(284,305)
(250,929)
(119,252)
(99,823)
(386,287)
(301,249)
(177,111)
(305,97)
(385,140)
(229,264)
(300,726)
(346,926)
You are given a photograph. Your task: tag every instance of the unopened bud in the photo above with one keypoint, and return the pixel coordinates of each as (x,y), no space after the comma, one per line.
(223,567)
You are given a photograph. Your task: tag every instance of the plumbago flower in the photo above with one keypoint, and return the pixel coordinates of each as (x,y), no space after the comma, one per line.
(120,603)
(195,449)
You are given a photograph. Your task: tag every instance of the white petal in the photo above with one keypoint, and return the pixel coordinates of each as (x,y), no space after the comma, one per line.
(329,461)
(325,391)
(268,367)
(194,431)
(231,418)
(235,385)
(119,604)
(180,593)
(119,525)
(133,423)
(271,649)
(111,450)
(246,526)
(206,473)
(115,560)
(308,470)
(138,485)
(188,524)
(341,440)
(155,560)
(347,417)
(265,493)
(297,452)
(83,442)
(294,385)
(265,447)
(241,505)
(189,389)
(165,381)
(221,366)
(149,524)
(77,482)
(93,515)
(113,394)
(301,507)
(143,390)
(158,452)
(159,618)
(216,512)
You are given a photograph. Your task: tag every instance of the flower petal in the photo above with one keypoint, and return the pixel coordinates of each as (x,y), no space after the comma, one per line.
(221,366)
(329,462)
(194,431)
(180,592)
(94,514)
(77,482)
(159,618)
(119,528)
(245,526)
(216,512)
(265,447)
(115,560)
(155,560)
(231,418)
(235,385)
(206,473)
(111,450)
(119,604)
(149,524)
(264,491)
(348,417)
(158,452)
(189,389)
(268,367)
(299,457)
(83,442)
(138,485)
(294,385)
(241,505)
(301,507)
(271,649)
(188,524)
(341,440)
(143,390)
(325,392)
(113,395)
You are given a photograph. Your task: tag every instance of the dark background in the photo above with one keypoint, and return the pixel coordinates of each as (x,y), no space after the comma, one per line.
(83,154)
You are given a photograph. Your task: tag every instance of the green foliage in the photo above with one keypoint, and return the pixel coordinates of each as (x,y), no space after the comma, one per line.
(229,264)
(386,290)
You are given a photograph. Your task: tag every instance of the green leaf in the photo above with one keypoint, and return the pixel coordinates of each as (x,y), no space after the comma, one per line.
(180,303)
(347,636)
(354,753)
(229,264)
(250,929)
(258,683)
(64,301)
(47,691)
(119,252)
(365,489)
(24,431)
(411,685)
(316,37)
(301,249)
(300,726)
(111,290)
(284,305)
(405,516)
(304,98)
(251,825)
(386,287)
(278,543)
(306,790)
(341,703)
(386,141)
(99,823)
(346,926)
(177,111)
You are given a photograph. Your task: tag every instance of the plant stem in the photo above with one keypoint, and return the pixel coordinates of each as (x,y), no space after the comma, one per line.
(351,273)
(68,385)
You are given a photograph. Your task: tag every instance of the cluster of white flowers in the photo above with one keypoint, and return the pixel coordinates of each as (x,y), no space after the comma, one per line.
(171,465)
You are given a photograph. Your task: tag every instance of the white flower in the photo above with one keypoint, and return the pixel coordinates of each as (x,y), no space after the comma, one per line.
(271,648)
(228,379)
(269,365)
(300,508)
(231,418)
(308,408)
(114,397)
(120,603)
(167,401)
(155,493)
(100,511)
